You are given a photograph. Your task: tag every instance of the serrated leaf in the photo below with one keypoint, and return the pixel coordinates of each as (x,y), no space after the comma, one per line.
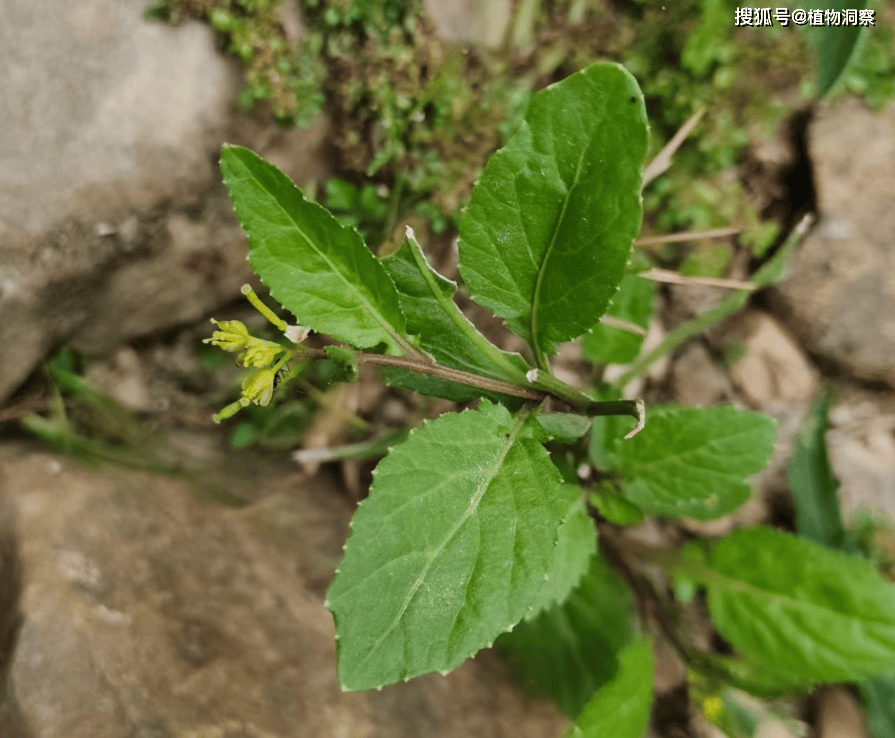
(445,333)
(315,267)
(450,549)
(693,462)
(571,650)
(814,487)
(879,706)
(621,708)
(633,303)
(575,546)
(813,614)
(548,231)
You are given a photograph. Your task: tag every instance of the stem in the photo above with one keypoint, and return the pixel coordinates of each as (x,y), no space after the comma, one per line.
(377,446)
(613,547)
(770,273)
(687,236)
(452,375)
(580,401)
(684,332)
(263,309)
(556,387)
(541,358)
(544,385)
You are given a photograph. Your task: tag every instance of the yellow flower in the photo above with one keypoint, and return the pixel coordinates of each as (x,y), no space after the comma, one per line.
(232,336)
(258,388)
(260,353)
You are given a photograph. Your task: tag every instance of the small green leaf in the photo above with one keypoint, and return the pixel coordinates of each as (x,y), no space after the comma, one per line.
(564,427)
(814,487)
(571,650)
(427,300)
(315,267)
(454,546)
(879,706)
(813,614)
(346,361)
(693,462)
(621,708)
(548,231)
(633,303)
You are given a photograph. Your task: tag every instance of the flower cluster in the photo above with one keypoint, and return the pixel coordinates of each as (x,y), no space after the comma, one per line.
(266,357)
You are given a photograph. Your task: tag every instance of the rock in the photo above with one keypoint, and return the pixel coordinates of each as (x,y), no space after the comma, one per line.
(839,715)
(772,729)
(696,379)
(123,377)
(149,613)
(773,369)
(471,21)
(113,221)
(840,297)
(861,443)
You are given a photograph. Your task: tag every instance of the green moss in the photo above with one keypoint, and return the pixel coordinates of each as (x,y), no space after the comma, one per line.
(413,119)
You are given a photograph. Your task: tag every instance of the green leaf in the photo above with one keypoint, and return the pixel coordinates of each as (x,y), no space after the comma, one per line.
(445,333)
(615,508)
(571,650)
(692,462)
(345,361)
(834,45)
(548,231)
(632,303)
(879,706)
(621,708)
(454,546)
(814,614)
(575,546)
(564,427)
(315,267)
(811,479)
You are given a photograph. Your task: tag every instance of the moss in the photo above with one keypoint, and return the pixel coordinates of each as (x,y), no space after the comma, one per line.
(414,119)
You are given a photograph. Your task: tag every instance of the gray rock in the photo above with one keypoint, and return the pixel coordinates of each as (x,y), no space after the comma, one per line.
(471,21)
(696,379)
(773,370)
(861,441)
(113,223)
(840,298)
(149,613)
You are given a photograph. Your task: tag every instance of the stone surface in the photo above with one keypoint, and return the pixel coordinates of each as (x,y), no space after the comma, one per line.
(696,379)
(103,110)
(773,369)
(839,715)
(471,21)
(148,613)
(861,441)
(113,223)
(840,297)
